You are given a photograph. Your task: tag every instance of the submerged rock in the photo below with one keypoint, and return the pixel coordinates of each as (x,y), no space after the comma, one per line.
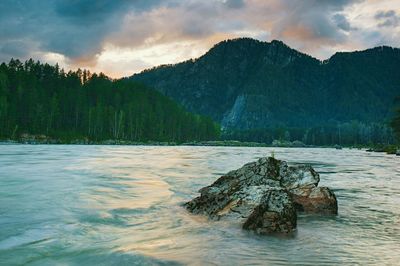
(320,200)
(264,196)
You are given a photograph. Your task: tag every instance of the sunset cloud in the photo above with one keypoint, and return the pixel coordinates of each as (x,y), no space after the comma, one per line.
(123,37)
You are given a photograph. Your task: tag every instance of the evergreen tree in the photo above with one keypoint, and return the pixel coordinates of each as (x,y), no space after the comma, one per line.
(41,99)
(396,121)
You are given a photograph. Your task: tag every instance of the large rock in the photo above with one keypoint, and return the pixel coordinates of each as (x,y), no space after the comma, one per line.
(315,200)
(264,196)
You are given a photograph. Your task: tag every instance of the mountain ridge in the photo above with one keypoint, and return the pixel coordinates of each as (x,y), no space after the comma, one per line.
(274,41)
(245,84)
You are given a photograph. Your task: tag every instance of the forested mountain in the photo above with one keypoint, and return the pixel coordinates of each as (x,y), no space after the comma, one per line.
(395,123)
(261,91)
(38,98)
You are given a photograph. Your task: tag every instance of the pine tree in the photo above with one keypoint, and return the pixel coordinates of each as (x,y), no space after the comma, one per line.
(395,123)
(40,99)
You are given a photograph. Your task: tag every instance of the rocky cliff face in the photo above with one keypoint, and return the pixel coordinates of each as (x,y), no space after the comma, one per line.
(246,84)
(265,196)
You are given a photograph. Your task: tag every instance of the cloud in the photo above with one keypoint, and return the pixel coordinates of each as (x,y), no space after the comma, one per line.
(312,25)
(342,22)
(94,34)
(15,48)
(235,3)
(189,20)
(387,18)
(74,28)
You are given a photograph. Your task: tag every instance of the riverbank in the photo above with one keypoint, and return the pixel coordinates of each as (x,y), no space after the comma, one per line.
(389,149)
(227,143)
(42,139)
(211,143)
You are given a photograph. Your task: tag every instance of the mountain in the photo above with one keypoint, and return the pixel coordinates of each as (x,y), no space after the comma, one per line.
(248,84)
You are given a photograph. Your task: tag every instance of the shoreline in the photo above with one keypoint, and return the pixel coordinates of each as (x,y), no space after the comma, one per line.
(227,143)
(388,149)
(138,143)
(222,143)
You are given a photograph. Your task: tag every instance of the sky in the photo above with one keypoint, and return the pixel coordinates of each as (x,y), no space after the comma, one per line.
(122,37)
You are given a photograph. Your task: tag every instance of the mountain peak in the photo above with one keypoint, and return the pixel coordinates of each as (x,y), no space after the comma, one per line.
(255,84)
(246,42)
(251,50)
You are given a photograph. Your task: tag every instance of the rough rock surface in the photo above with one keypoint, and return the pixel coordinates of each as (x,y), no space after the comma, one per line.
(265,195)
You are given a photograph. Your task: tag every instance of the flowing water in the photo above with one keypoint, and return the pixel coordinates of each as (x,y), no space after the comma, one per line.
(121,205)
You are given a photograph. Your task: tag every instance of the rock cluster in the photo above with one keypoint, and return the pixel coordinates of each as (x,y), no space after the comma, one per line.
(265,196)
(26,138)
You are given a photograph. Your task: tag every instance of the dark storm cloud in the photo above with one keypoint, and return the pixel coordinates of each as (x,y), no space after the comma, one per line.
(74,28)
(387,18)
(89,11)
(14,49)
(342,22)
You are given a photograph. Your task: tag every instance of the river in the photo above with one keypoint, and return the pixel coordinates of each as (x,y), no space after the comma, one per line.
(121,205)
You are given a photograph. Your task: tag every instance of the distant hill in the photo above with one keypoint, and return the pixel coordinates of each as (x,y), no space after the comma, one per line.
(247,84)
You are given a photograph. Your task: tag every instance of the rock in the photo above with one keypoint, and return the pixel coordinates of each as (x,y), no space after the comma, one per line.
(285,143)
(298,143)
(264,196)
(398,152)
(315,200)
(275,213)
(26,138)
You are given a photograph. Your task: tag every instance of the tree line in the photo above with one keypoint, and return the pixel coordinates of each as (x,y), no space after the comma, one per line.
(38,98)
(395,123)
(347,134)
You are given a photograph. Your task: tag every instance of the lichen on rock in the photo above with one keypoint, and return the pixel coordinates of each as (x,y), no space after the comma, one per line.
(265,196)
